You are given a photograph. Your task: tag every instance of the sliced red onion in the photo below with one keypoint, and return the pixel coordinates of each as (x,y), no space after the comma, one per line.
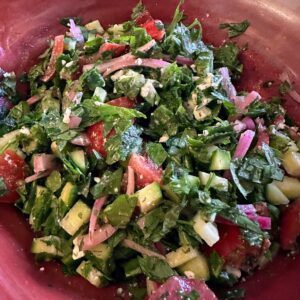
(249,123)
(32,100)
(103,67)
(242,102)
(160,248)
(99,236)
(94,215)
(37,176)
(265,223)
(132,62)
(81,140)
(227,84)
(138,248)
(181,60)
(244,144)
(239,126)
(74,122)
(76,31)
(247,209)
(43,162)
(130,181)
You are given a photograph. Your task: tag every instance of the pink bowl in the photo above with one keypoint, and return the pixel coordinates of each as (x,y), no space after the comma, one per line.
(26,26)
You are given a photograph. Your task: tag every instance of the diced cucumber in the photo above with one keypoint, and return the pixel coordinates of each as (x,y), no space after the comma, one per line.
(119,212)
(69,194)
(275,196)
(149,197)
(78,157)
(8,140)
(289,186)
(69,44)
(77,216)
(95,25)
(38,205)
(90,273)
(220,160)
(53,181)
(198,266)
(132,268)
(291,162)
(218,183)
(180,256)
(100,256)
(202,113)
(206,230)
(49,245)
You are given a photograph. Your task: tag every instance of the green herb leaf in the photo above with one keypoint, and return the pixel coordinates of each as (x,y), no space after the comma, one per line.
(156,153)
(235,29)
(285,87)
(3,188)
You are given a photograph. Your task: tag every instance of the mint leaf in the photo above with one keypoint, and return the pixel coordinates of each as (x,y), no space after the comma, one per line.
(235,29)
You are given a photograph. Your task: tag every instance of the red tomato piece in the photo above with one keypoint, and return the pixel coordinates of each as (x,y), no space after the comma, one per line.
(151,27)
(263,138)
(57,50)
(143,17)
(118,49)
(95,132)
(290,225)
(122,102)
(146,171)
(230,240)
(176,287)
(12,170)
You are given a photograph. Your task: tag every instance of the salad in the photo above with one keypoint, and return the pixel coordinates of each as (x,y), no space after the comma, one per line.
(137,161)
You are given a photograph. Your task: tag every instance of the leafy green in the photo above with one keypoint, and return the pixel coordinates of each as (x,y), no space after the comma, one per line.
(155,268)
(177,17)
(93,45)
(121,145)
(137,10)
(227,56)
(8,86)
(110,183)
(3,188)
(216,263)
(156,153)
(235,29)
(129,83)
(285,87)
(92,79)
(256,169)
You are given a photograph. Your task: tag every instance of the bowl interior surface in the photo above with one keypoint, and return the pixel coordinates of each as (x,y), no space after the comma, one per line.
(274,43)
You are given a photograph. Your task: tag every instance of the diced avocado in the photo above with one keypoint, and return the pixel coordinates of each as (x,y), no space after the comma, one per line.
(289,186)
(91,274)
(206,230)
(275,195)
(77,216)
(149,197)
(220,160)
(53,181)
(132,268)
(201,113)
(180,256)
(78,157)
(100,256)
(198,266)
(291,162)
(119,212)
(218,183)
(48,245)
(69,194)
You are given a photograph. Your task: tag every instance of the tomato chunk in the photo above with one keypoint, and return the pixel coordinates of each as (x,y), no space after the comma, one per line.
(155,29)
(118,49)
(58,49)
(12,170)
(146,171)
(176,288)
(95,132)
(290,225)
(143,17)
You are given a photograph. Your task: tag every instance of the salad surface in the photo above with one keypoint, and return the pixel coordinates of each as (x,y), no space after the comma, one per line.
(136,160)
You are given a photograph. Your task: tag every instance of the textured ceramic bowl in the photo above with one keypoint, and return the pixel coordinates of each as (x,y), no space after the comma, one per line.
(274,44)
